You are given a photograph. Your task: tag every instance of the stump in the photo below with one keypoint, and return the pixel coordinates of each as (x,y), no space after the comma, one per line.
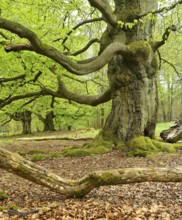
(173,134)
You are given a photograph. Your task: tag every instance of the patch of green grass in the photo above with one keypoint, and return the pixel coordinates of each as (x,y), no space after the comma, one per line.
(163,126)
(3,195)
(2,208)
(31,152)
(6,141)
(38,157)
(13,206)
(177,146)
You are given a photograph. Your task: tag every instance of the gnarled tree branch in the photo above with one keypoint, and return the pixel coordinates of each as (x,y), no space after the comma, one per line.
(86,47)
(165,36)
(92,100)
(106,10)
(61,58)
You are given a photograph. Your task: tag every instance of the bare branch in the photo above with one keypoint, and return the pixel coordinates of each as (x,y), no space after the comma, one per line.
(165,36)
(77,26)
(3,80)
(3,35)
(8,121)
(86,47)
(168,8)
(173,66)
(18,47)
(11,99)
(36,76)
(106,10)
(92,100)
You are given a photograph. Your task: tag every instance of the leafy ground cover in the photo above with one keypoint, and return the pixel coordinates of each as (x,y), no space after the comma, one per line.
(143,201)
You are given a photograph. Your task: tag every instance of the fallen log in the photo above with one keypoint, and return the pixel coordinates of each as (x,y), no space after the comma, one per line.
(18,165)
(54,138)
(173,134)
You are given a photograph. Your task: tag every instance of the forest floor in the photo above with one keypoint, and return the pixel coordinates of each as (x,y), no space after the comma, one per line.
(139,201)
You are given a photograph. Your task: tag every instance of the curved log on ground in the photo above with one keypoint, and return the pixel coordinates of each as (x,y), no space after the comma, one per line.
(48,138)
(173,134)
(16,164)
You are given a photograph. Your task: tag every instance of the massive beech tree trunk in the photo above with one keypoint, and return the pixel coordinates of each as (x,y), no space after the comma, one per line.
(133,77)
(78,188)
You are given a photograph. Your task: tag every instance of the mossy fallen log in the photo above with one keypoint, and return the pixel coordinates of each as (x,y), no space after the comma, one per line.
(16,164)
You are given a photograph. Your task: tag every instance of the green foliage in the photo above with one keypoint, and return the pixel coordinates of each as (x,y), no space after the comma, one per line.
(38,157)
(163,126)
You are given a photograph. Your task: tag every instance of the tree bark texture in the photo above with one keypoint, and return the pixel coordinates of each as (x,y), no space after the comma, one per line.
(16,164)
(173,134)
(132,76)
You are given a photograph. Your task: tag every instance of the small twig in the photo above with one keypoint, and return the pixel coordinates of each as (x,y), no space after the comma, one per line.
(161,9)
(173,66)
(86,47)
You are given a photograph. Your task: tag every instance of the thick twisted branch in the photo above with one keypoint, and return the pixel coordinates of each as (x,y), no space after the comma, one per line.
(62,59)
(104,7)
(92,100)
